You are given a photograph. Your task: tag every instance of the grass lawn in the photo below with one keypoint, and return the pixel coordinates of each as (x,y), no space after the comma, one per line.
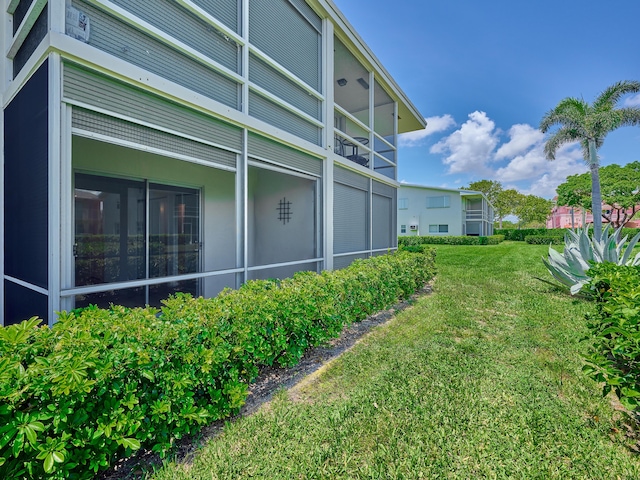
(481,379)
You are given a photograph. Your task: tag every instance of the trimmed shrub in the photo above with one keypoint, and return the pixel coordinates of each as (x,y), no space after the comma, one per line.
(519,235)
(614,353)
(449,240)
(100,384)
(544,239)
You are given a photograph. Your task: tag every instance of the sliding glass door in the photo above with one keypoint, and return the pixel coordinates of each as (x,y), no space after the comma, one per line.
(132,230)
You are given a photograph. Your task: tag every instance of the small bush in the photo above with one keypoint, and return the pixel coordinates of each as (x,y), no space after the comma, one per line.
(614,354)
(519,235)
(100,384)
(544,240)
(449,240)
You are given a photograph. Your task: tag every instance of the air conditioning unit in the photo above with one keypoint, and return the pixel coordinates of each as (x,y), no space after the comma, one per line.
(413,226)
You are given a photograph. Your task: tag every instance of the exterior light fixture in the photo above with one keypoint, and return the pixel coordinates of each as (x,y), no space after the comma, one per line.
(342,82)
(363,82)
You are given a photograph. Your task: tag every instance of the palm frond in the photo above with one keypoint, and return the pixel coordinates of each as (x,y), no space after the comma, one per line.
(611,96)
(561,137)
(630,116)
(570,111)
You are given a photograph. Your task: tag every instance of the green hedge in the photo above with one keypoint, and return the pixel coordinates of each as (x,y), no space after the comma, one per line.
(521,235)
(544,239)
(100,384)
(614,352)
(449,240)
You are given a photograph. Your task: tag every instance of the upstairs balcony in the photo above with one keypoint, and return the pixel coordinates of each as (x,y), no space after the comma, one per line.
(365,116)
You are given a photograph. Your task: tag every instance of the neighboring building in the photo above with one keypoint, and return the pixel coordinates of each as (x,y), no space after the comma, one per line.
(568,217)
(151,147)
(443,211)
(573,217)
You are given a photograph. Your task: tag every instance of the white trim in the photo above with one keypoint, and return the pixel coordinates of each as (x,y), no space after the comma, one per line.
(67,221)
(11,7)
(136,146)
(199,12)
(54,184)
(244,18)
(284,264)
(37,58)
(347,254)
(162,36)
(280,168)
(104,287)
(329,139)
(351,117)
(27,285)
(25,27)
(153,126)
(393,147)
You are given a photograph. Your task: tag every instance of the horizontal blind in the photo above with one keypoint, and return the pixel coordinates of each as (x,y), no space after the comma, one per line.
(353,179)
(274,82)
(227,11)
(382,216)
(350,219)
(283,33)
(141,135)
(263,148)
(170,17)
(273,114)
(93,89)
(127,43)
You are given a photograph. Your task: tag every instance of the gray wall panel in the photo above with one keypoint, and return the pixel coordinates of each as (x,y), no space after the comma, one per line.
(283,33)
(267,111)
(271,80)
(170,17)
(224,10)
(141,135)
(125,42)
(115,96)
(349,177)
(383,230)
(262,147)
(350,219)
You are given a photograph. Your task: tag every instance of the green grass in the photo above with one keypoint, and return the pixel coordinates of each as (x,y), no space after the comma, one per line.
(481,379)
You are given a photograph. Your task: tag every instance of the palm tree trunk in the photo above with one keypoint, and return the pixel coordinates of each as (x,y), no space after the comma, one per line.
(596,195)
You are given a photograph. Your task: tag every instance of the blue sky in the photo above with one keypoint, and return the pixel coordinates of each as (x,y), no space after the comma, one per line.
(485,72)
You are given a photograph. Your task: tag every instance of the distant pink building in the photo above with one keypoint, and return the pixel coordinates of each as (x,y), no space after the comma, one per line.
(567,217)
(572,217)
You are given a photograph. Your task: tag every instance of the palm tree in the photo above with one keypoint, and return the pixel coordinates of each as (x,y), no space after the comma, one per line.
(589,125)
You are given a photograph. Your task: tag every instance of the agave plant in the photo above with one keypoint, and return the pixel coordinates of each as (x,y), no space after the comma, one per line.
(581,250)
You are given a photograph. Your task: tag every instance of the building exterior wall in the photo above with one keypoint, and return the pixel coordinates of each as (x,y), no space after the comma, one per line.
(197,95)
(462,213)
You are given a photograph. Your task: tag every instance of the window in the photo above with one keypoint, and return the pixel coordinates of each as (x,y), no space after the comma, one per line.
(134,230)
(440,201)
(403,229)
(438,228)
(403,203)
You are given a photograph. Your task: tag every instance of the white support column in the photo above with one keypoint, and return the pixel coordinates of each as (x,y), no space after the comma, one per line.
(57,15)
(6,28)
(54,127)
(66,206)
(242,200)
(329,137)
(6,65)
(245,56)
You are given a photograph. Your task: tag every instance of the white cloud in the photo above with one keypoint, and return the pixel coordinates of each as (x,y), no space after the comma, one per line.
(545,175)
(434,125)
(633,101)
(521,138)
(469,149)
